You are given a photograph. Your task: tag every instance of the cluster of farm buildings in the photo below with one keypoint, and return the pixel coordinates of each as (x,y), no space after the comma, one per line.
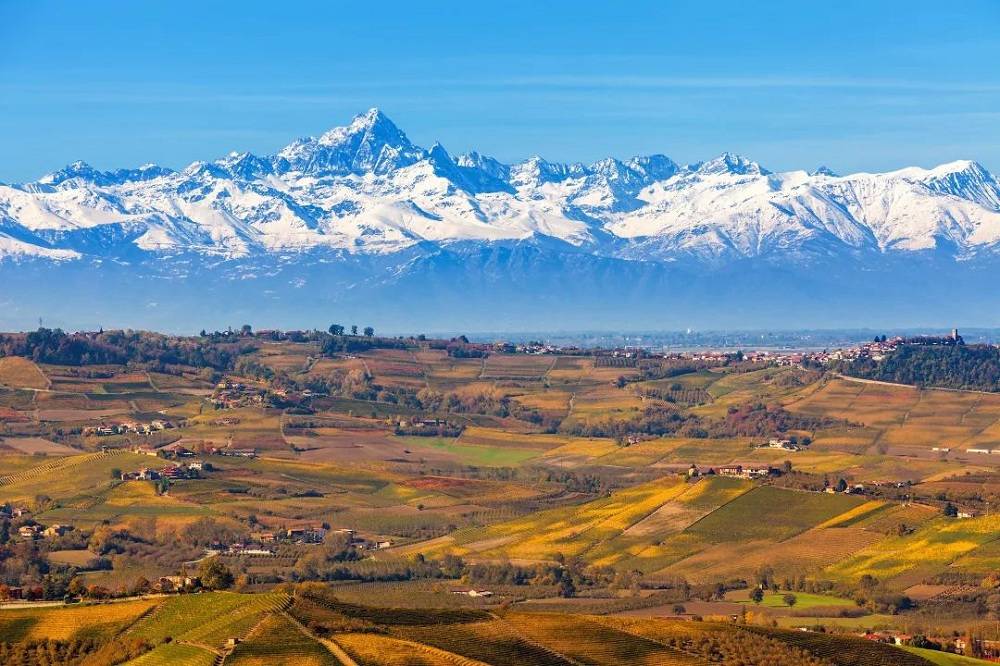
(264,543)
(126,427)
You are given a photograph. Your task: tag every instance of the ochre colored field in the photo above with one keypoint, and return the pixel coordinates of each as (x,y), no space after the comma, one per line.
(503,366)
(593,642)
(17,372)
(95,621)
(385,651)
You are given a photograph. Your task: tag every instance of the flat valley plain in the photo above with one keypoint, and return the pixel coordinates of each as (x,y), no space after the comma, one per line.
(536,478)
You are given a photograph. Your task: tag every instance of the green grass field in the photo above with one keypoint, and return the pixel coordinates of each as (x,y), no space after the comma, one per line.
(803,600)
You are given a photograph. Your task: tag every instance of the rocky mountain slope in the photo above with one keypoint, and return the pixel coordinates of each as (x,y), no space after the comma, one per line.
(362,210)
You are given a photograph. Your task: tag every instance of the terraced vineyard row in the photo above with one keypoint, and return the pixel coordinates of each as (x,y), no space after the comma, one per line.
(590,642)
(843,650)
(380,650)
(208,619)
(56,465)
(277,641)
(494,642)
(175,654)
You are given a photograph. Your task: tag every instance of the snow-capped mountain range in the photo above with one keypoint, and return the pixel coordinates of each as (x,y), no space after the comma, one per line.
(366,188)
(362,220)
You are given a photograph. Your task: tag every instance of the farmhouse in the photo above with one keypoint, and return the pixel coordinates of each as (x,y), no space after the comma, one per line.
(144,474)
(307,533)
(263,537)
(474,593)
(237,453)
(29,531)
(56,530)
(748,470)
(783,444)
(177,450)
(176,583)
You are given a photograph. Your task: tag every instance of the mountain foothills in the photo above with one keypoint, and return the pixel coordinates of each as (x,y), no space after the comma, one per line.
(362,217)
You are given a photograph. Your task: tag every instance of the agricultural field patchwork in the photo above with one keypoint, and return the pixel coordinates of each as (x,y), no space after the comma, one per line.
(412,501)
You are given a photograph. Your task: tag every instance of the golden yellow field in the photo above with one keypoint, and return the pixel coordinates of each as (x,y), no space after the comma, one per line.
(386,651)
(74,622)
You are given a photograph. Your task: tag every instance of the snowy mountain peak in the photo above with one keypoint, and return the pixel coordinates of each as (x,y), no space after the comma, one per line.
(824,170)
(77,169)
(373,126)
(965,179)
(370,142)
(365,188)
(730,163)
(654,167)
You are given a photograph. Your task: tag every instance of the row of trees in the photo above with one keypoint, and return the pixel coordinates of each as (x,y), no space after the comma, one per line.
(337,330)
(152,350)
(975,367)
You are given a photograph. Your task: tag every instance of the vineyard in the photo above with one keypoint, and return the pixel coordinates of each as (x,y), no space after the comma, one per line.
(208,619)
(278,641)
(588,641)
(843,650)
(89,621)
(176,654)
(492,641)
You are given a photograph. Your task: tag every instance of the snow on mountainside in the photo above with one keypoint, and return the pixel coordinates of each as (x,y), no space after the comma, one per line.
(367,189)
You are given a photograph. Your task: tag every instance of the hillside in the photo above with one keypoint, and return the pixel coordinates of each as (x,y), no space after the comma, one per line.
(968,367)
(439,500)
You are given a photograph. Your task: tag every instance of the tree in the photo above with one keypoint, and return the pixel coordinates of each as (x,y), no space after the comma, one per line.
(950,510)
(841,485)
(354,330)
(757,595)
(789,600)
(77,587)
(214,574)
(567,589)
(787,467)
(246,330)
(336,329)
(369,331)
(116,473)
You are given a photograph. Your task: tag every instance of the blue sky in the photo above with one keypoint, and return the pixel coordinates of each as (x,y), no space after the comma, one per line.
(855,85)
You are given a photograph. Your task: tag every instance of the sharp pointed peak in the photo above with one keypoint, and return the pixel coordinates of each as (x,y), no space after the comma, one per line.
(438,152)
(372,123)
(728,162)
(372,118)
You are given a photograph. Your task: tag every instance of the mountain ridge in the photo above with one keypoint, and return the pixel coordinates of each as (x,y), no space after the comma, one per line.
(365,187)
(361,218)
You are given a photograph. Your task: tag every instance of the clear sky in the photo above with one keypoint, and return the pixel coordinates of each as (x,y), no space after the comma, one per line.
(870,85)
